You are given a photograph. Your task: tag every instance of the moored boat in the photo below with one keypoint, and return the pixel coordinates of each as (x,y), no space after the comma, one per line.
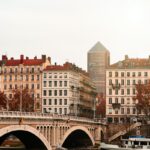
(133,143)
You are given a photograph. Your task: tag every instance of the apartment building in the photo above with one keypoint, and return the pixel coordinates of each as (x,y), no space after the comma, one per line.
(23,73)
(67,89)
(121,78)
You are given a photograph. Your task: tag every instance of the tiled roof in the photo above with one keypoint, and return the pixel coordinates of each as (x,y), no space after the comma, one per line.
(29,62)
(131,63)
(67,66)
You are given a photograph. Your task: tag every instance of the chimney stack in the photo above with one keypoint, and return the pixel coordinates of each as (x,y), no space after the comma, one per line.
(21,58)
(44,58)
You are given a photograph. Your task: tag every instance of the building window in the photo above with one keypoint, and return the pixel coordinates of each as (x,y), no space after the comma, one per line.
(116,74)
(50,92)
(122,81)
(50,101)
(5,87)
(44,101)
(50,83)
(55,83)
(134,90)
(110,82)
(44,82)
(60,110)
(60,92)
(65,92)
(122,100)
(110,111)
(55,92)
(65,101)
(139,81)
(116,111)
(128,110)
(32,78)
(128,100)
(10,86)
(38,95)
(15,86)
(32,86)
(122,110)
(122,74)
(116,81)
(10,78)
(38,77)
(60,101)
(65,111)
(128,74)
(145,74)
(128,91)
(60,83)
(134,111)
(27,86)
(44,92)
(116,100)
(27,78)
(110,100)
(128,82)
(116,91)
(110,91)
(21,70)
(45,75)
(139,74)
(10,96)
(134,82)
(110,74)
(55,101)
(55,110)
(16,70)
(133,74)
(15,77)
(32,70)
(65,83)
(38,86)
(145,81)
(122,91)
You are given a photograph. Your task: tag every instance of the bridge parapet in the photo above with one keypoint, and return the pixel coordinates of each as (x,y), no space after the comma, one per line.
(32,115)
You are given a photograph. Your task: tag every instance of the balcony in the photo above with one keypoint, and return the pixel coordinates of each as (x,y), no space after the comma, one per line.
(116,105)
(116,86)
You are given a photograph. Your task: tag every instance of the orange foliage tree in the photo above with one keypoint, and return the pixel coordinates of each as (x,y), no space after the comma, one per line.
(3,101)
(25,96)
(101,106)
(143,98)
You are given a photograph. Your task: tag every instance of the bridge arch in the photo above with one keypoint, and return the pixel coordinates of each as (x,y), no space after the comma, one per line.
(77,132)
(23,132)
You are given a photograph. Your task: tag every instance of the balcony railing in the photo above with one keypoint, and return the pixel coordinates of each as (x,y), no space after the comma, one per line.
(116,105)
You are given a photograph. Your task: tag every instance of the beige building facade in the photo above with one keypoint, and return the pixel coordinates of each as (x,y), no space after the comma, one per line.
(23,73)
(68,90)
(121,79)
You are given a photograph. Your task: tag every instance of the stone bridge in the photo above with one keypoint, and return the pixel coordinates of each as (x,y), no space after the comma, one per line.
(49,131)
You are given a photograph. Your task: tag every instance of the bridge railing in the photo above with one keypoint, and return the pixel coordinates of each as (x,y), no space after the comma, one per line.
(38,115)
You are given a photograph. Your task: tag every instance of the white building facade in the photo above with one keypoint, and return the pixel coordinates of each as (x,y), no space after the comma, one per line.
(121,79)
(62,92)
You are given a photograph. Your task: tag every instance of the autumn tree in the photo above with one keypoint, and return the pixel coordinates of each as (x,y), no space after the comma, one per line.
(143,98)
(25,96)
(101,106)
(3,101)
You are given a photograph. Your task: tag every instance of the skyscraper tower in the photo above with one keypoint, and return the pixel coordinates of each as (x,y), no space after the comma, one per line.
(98,60)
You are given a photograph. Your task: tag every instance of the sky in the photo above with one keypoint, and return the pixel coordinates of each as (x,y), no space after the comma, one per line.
(66,30)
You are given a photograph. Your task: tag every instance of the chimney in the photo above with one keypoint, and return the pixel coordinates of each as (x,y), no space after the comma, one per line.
(21,58)
(12,58)
(49,59)
(27,58)
(55,64)
(126,57)
(35,57)
(44,58)
(4,57)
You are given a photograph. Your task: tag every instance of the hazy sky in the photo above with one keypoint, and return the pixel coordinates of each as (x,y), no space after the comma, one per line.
(67,29)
